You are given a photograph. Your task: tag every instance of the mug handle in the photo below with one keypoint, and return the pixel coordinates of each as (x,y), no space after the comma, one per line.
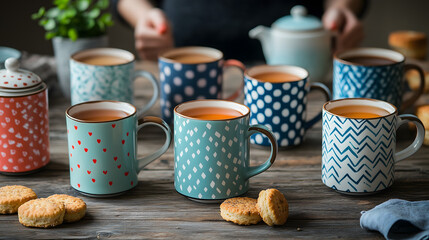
(323,88)
(252,171)
(145,121)
(155,85)
(418,141)
(240,65)
(409,102)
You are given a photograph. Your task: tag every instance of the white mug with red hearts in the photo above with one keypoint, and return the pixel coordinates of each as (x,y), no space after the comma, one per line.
(102,143)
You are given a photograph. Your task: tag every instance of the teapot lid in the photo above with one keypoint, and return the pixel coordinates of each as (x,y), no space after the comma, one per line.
(298,21)
(14,78)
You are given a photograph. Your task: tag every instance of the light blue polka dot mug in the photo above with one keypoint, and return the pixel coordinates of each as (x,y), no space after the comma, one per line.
(95,80)
(185,80)
(211,157)
(280,106)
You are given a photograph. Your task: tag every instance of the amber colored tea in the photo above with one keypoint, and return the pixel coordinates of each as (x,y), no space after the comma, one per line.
(103,60)
(276,77)
(211,113)
(359,111)
(100,115)
(192,58)
(369,60)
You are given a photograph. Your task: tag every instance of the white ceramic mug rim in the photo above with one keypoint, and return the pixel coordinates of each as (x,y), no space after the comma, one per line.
(359,102)
(212,52)
(115,52)
(395,56)
(101,104)
(290,69)
(244,110)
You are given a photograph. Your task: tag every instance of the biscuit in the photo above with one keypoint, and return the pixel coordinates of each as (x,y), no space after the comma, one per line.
(75,207)
(413,79)
(410,43)
(41,213)
(11,197)
(273,207)
(240,210)
(422,113)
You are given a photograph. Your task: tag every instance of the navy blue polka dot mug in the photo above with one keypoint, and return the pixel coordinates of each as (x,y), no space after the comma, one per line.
(277,98)
(191,73)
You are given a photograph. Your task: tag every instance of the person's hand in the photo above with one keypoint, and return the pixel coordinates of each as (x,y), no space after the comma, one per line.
(346,26)
(152,34)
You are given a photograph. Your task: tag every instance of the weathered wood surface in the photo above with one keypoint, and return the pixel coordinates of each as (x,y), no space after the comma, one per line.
(154,210)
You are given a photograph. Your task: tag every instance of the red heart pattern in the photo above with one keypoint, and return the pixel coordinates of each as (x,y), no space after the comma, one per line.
(98,170)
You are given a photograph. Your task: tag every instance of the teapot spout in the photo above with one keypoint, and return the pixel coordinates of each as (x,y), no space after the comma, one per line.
(264,35)
(260,32)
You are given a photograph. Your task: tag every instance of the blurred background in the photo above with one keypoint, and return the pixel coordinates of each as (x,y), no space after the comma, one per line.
(381,18)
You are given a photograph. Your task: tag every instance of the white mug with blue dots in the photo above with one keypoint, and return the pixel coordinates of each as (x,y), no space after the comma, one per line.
(280,105)
(191,73)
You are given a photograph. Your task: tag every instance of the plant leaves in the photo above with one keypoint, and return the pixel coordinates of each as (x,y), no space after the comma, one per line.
(39,14)
(49,35)
(94,13)
(83,5)
(72,34)
(49,25)
(53,13)
(61,4)
(102,4)
(106,18)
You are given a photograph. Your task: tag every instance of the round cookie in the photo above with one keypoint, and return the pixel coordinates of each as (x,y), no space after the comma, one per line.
(41,213)
(410,43)
(273,207)
(240,210)
(75,207)
(413,79)
(11,197)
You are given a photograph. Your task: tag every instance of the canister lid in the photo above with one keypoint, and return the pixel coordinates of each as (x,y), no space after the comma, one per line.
(14,78)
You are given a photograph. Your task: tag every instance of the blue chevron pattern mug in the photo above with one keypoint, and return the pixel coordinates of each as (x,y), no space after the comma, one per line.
(280,106)
(93,78)
(374,79)
(359,154)
(211,157)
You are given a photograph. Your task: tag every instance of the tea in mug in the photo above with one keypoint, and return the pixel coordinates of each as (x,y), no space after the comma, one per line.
(100,115)
(103,60)
(276,77)
(212,113)
(369,60)
(359,111)
(192,58)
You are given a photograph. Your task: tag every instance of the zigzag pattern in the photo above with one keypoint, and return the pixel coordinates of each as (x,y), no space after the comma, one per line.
(358,154)
(380,82)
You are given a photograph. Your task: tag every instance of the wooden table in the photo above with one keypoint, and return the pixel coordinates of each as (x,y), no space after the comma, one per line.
(155,210)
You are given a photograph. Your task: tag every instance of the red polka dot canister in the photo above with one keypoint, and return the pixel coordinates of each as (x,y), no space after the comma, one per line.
(24,120)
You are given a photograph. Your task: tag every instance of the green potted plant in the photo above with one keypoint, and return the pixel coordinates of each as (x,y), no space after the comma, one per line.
(74,25)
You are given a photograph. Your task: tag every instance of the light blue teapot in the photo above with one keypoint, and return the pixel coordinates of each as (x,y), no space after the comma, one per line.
(298,39)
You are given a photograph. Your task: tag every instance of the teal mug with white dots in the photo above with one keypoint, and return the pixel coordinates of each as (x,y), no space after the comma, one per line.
(190,73)
(211,155)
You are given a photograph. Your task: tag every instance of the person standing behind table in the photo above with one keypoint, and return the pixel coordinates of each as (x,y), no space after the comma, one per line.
(224,24)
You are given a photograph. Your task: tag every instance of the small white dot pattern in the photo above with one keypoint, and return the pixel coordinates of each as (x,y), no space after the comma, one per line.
(185,82)
(210,158)
(280,107)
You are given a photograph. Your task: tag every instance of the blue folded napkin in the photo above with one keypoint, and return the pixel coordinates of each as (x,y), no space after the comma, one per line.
(398,219)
